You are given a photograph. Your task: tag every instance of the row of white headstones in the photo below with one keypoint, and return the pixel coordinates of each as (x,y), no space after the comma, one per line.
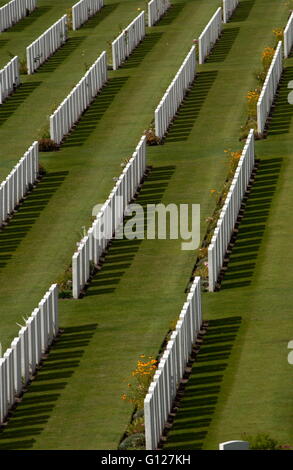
(19,363)
(212,40)
(14,11)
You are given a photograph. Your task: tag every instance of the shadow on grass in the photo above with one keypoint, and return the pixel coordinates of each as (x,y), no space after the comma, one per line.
(141,50)
(27,214)
(90,118)
(31,415)
(282,113)
(223,46)
(242,11)
(61,54)
(171,14)
(239,267)
(30,19)
(16,99)
(200,396)
(100,16)
(3,42)
(122,252)
(190,107)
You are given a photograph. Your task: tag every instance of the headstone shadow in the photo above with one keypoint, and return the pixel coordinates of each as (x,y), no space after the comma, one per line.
(30,416)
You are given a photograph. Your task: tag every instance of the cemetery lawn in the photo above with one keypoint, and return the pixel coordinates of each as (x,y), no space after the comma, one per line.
(242,382)
(75,401)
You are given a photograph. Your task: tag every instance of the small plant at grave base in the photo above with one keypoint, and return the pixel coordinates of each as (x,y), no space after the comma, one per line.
(133,442)
(69,18)
(203,252)
(195,43)
(137,426)
(46,144)
(261,76)
(214,193)
(83,232)
(233,160)
(65,284)
(252,99)
(267,57)
(151,138)
(202,270)
(251,123)
(142,376)
(279,34)
(44,133)
(261,441)
(124,162)
(22,66)
(42,169)
(212,223)
(22,63)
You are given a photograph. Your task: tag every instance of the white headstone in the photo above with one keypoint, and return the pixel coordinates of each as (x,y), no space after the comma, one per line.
(234,445)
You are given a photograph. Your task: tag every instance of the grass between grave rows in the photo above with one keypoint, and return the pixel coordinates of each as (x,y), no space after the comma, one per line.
(242,382)
(38,245)
(75,402)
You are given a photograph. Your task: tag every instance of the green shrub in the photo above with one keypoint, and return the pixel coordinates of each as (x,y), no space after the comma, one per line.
(151,137)
(69,18)
(261,441)
(42,169)
(65,284)
(22,66)
(133,442)
(47,145)
(136,427)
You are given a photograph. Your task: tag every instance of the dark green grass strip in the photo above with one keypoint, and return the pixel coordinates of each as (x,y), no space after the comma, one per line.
(198,405)
(89,120)
(29,419)
(30,19)
(281,118)
(190,109)
(243,259)
(10,105)
(242,12)
(223,46)
(61,54)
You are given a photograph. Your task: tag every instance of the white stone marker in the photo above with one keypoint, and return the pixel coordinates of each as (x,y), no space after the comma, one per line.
(16,345)
(31,324)
(23,335)
(234,445)
(3,391)
(9,376)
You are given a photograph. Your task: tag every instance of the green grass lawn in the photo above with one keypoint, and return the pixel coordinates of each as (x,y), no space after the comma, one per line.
(75,401)
(241,382)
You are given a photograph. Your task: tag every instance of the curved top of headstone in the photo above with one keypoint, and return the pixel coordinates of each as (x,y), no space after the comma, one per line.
(234,445)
